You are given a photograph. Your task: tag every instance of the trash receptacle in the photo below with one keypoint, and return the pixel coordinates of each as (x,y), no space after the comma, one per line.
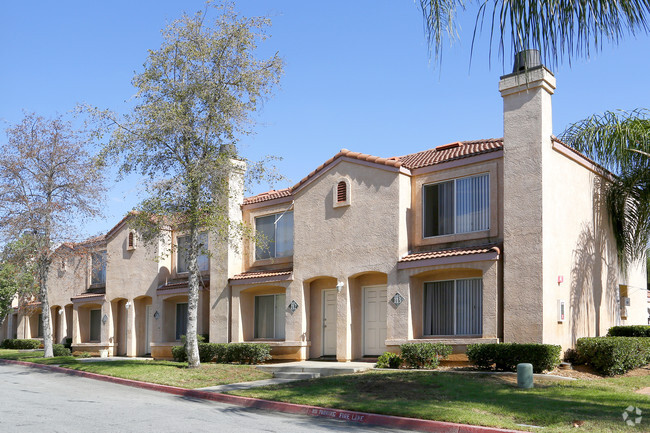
(525,375)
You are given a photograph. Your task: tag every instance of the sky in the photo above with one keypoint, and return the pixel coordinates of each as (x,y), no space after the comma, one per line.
(358,75)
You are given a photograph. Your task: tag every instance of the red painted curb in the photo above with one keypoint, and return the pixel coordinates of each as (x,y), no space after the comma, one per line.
(345,415)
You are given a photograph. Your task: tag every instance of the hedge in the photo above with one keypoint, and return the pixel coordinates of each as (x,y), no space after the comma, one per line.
(629,331)
(424,355)
(614,355)
(20,344)
(240,353)
(506,356)
(389,360)
(60,350)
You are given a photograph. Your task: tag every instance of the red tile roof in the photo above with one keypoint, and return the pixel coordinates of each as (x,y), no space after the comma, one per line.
(450,152)
(463,251)
(181,284)
(443,153)
(269,195)
(261,274)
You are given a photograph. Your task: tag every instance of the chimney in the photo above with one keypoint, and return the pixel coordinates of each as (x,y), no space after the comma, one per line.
(527,129)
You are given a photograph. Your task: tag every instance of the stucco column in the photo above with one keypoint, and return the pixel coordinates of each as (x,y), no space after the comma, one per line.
(10,326)
(236,320)
(131,347)
(398,317)
(107,336)
(62,321)
(76,331)
(490,300)
(527,129)
(343,324)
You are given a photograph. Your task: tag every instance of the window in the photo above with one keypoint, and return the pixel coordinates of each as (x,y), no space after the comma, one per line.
(95,325)
(276,233)
(457,206)
(181,319)
(453,307)
(183,245)
(269,316)
(98,268)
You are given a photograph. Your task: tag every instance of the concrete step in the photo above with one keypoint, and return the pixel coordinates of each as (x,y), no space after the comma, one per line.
(294,375)
(322,369)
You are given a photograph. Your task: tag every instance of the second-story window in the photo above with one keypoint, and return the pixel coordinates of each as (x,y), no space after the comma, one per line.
(98,268)
(457,206)
(275,236)
(183,243)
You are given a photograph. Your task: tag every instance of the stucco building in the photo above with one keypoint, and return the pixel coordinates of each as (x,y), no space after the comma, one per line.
(490,240)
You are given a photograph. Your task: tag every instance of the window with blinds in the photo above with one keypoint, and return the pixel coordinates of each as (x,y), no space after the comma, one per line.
(453,307)
(457,206)
(269,316)
(275,236)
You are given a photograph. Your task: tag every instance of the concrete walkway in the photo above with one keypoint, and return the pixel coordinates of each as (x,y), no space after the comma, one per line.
(246,385)
(115,358)
(304,369)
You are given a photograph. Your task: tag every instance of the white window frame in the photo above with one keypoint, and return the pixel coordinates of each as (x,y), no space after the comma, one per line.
(275,309)
(197,258)
(455,334)
(454,180)
(272,242)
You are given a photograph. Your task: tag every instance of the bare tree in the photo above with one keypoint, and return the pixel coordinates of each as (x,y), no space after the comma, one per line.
(194,99)
(48,181)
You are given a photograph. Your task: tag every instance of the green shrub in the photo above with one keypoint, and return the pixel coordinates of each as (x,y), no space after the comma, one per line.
(248,353)
(84,355)
(424,355)
(178,353)
(572,356)
(240,353)
(389,360)
(60,350)
(506,356)
(20,344)
(614,355)
(629,331)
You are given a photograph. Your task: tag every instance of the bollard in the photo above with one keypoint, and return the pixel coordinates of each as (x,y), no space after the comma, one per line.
(525,375)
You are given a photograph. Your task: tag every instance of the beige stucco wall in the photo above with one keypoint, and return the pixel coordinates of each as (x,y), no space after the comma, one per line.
(579,246)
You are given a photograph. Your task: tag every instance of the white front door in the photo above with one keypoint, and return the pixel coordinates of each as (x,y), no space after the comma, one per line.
(147,329)
(329,322)
(374,320)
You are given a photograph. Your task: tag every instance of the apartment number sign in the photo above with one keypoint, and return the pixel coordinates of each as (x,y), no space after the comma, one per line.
(397,299)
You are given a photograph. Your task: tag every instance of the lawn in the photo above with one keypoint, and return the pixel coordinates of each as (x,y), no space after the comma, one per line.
(474,399)
(162,372)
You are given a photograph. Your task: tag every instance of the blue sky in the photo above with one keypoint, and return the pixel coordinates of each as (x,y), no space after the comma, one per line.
(357,76)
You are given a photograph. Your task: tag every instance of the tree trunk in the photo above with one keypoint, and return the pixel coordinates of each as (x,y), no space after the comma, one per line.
(43,269)
(191,342)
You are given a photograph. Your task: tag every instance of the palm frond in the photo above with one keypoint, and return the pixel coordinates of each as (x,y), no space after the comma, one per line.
(559,29)
(618,140)
(629,206)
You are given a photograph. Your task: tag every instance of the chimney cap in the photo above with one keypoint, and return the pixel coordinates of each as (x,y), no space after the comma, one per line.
(526,59)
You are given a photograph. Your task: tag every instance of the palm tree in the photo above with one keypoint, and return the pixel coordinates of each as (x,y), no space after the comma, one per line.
(559,29)
(620,141)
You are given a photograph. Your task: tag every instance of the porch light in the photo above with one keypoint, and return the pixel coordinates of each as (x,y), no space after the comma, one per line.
(339,286)
(156,315)
(60,312)
(127,305)
(104,319)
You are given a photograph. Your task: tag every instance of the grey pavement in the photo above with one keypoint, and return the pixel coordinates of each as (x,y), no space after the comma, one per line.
(38,400)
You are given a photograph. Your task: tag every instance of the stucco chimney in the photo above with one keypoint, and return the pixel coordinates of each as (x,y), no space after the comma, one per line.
(527,129)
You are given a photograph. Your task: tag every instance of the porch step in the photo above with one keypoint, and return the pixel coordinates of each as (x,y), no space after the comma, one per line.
(316,368)
(294,375)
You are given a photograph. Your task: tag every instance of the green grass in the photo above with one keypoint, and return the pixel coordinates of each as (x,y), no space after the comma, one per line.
(161,372)
(474,399)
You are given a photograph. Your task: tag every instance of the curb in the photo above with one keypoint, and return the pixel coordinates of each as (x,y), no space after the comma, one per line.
(300,409)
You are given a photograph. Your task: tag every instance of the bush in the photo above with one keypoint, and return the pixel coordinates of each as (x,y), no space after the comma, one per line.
(389,360)
(424,355)
(240,353)
(20,344)
(572,356)
(614,355)
(629,331)
(60,350)
(248,353)
(506,356)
